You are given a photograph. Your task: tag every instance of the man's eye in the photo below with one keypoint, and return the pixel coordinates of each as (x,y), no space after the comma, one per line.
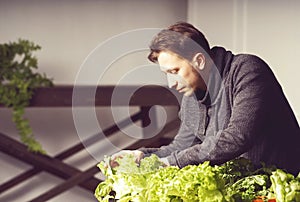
(174,71)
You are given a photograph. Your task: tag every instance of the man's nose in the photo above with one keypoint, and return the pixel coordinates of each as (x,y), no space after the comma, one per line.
(172,81)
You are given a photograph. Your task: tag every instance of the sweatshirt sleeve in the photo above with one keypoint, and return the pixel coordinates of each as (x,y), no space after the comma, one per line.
(251,94)
(184,139)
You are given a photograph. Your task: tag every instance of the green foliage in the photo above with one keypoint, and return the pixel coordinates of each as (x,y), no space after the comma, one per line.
(151,181)
(235,181)
(127,164)
(18,79)
(285,187)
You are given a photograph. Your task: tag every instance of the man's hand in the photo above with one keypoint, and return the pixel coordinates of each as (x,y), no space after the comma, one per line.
(136,153)
(165,161)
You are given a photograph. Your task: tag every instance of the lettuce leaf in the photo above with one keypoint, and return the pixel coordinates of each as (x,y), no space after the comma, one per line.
(285,187)
(236,180)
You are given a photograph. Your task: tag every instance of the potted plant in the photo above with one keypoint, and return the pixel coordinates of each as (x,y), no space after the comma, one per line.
(18,79)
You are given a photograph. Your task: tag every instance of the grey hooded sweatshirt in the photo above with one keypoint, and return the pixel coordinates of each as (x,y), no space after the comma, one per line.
(243,113)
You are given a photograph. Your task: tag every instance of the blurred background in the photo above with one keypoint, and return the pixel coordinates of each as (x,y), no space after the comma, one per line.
(69,30)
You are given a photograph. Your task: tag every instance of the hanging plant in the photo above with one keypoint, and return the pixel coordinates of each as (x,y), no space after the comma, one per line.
(18,79)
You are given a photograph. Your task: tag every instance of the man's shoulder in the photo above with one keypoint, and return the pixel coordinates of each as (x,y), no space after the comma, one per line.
(246,58)
(249,64)
(231,62)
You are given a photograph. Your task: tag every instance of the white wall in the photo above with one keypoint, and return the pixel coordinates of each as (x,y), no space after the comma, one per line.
(68,31)
(269,29)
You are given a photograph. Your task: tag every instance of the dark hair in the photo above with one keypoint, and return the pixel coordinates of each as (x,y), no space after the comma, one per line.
(181,38)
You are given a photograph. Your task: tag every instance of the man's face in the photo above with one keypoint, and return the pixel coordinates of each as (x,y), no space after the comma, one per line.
(181,75)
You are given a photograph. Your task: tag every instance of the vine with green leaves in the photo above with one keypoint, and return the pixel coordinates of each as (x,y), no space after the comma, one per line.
(18,80)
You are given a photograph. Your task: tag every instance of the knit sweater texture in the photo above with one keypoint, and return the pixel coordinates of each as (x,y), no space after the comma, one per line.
(244,113)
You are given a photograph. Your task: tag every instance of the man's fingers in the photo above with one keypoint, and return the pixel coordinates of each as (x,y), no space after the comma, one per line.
(139,157)
(137,154)
(114,164)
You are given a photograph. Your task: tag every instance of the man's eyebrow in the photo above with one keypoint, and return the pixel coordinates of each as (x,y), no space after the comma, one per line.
(168,68)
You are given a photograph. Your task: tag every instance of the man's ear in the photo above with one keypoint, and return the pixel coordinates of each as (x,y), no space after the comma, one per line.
(199,61)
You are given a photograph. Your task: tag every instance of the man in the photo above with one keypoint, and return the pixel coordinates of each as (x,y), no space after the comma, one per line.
(232,105)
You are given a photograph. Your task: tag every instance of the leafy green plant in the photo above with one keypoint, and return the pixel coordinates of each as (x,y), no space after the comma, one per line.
(18,79)
(234,181)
